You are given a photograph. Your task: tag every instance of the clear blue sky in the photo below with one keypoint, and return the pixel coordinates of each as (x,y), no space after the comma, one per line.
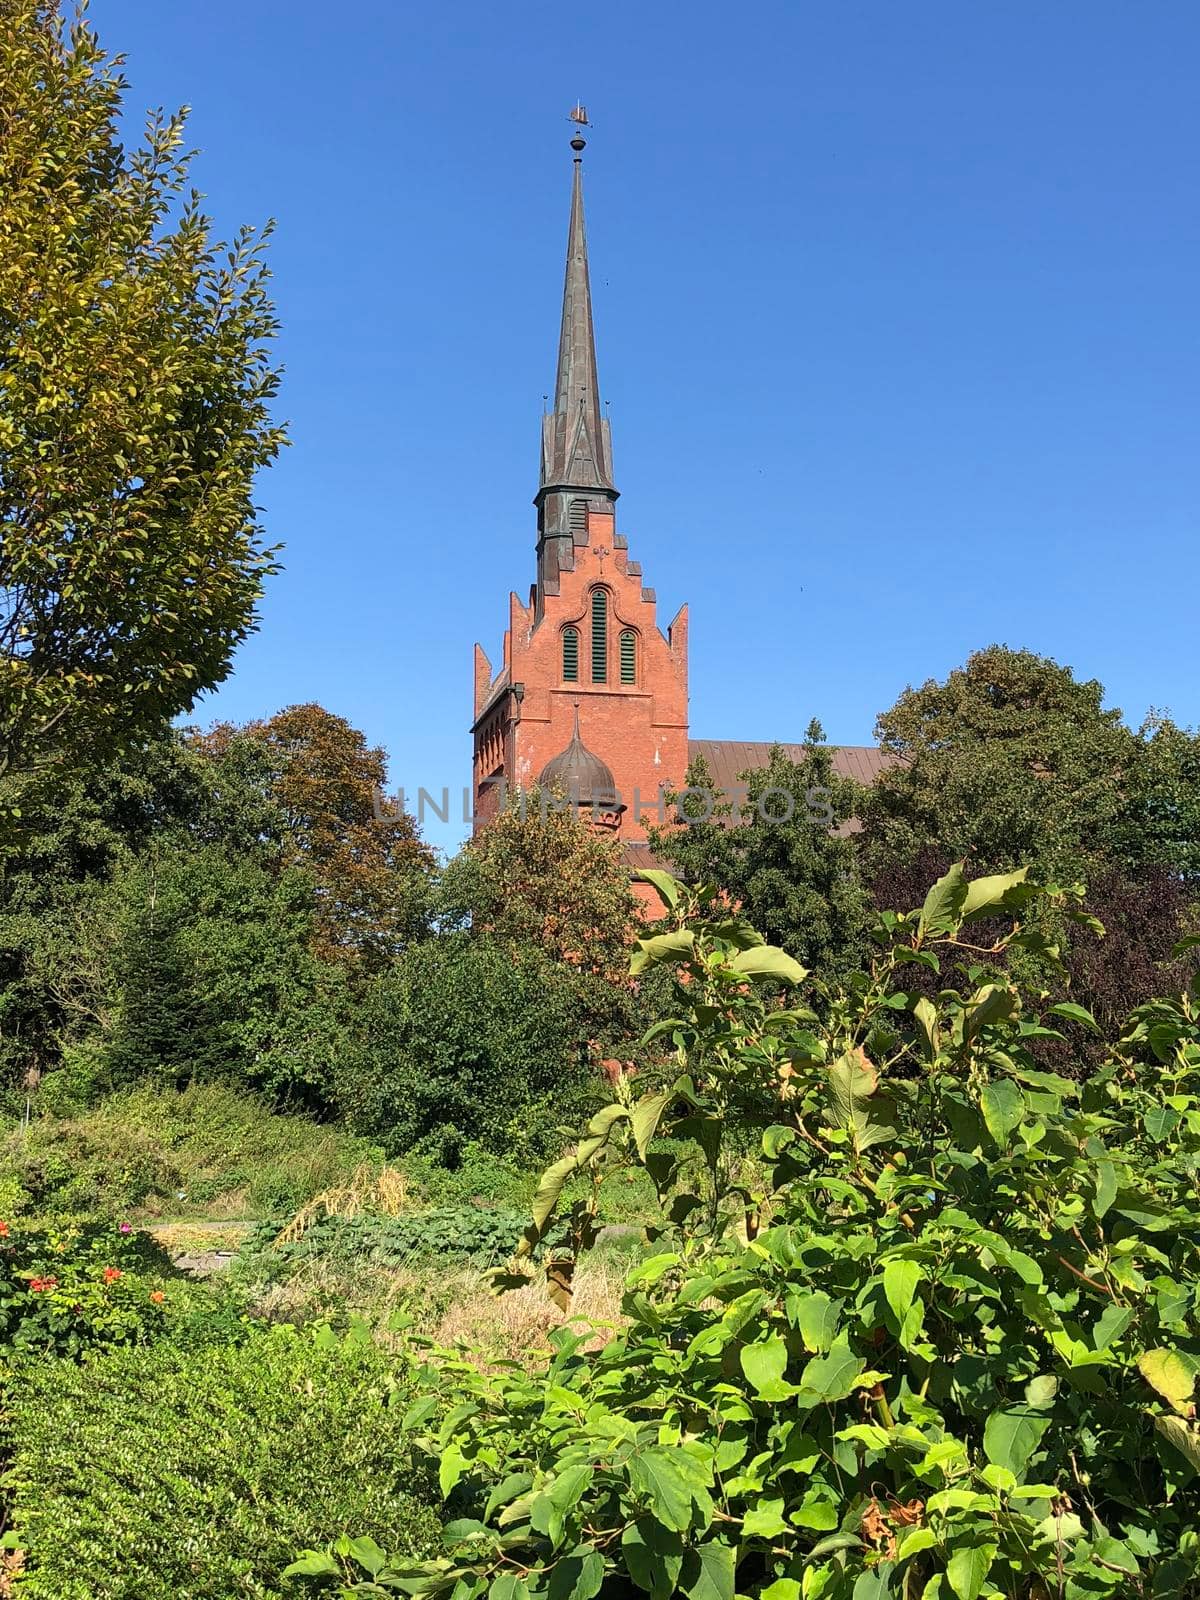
(896,305)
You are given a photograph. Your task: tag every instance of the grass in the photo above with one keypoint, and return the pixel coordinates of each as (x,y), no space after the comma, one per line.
(454,1308)
(206,1151)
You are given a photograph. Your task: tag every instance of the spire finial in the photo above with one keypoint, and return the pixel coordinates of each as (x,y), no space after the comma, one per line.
(579,117)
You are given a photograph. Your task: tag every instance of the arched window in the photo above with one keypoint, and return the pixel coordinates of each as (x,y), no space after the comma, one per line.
(570,655)
(629,656)
(599,636)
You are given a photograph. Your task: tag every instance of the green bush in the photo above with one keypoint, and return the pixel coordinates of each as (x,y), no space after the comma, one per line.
(467,1042)
(179,1153)
(72,1287)
(944,1345)
(159,1473)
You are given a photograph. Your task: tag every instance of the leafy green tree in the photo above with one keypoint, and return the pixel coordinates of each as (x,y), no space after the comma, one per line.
(469,1039)
(538,878)
(79,831)
(1010,760)
(135,385)
(372,874)
(213,978)
(784,853)
(1165,830)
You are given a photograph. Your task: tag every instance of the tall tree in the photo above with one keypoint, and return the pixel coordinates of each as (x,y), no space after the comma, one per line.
(538,876)
(371,870)
(784,852)
(135,385)
(1011,760)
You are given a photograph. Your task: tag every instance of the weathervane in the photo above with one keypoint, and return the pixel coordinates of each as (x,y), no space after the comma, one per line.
(579,117)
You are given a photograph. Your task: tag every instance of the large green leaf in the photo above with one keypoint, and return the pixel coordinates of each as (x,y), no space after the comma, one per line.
(1011,1437)
(708,1572)
(1003,891)
(768,961)
(1171,1374)
(942,912)
(653,1556)
(645,1118)
(668,887)
(855,1102)
(1074,1013)
(553,1180)
(815,1316)
(1105,1186)
(832,1377)
(578,1576)
(968,1568)
(1003,1106)
(675,946)
(993,1003)
(900,1280)
(1185,1436)
(667,1481)
(764,1365)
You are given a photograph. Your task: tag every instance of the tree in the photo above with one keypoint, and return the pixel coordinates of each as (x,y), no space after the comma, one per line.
(135,385)
(537,876)
(1010,760)
(213,978)
(787,858)
(371,871)
(471,1040)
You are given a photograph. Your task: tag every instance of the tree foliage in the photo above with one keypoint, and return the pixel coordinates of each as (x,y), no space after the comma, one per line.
(537,877)
(786,858)
(1011,759)
(944,1343)
(135,385)
(371,872)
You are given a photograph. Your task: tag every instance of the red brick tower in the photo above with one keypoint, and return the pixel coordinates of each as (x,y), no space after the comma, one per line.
(589,682)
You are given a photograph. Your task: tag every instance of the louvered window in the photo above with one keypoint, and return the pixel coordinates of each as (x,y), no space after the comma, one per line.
(577,513)
(599,636)
(570,649)
(629,657)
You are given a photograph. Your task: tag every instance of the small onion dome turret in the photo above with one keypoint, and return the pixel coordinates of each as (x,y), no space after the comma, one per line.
(582,776)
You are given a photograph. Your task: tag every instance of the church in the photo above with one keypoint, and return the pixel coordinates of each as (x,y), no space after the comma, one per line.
(591,697)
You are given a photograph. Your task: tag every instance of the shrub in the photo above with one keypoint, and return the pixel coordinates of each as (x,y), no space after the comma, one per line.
(160,1473)
(68,1288)
(467,1042)
(949,1348)
(208,1147)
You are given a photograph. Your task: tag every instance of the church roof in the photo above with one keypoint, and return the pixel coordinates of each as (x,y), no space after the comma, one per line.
(727,759)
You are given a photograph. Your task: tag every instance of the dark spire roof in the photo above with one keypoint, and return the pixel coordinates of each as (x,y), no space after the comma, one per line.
(576,448)
(579,774)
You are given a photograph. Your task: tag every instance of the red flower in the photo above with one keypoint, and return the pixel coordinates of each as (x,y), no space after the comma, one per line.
(111,1274)
(3,1230)
(38,1284)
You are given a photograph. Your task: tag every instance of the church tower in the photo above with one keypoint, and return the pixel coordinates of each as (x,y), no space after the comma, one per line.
(591,696)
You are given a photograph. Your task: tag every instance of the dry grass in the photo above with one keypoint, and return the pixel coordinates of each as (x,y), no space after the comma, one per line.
(383,1193)
(455,1309)
(194,1238)
(515,1326)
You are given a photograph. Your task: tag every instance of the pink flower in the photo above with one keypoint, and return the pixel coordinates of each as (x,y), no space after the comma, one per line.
(126,1227)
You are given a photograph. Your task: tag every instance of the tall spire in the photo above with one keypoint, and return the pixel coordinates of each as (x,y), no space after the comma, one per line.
(576,446)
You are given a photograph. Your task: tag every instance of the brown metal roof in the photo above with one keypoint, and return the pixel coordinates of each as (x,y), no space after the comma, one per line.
(727,759)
